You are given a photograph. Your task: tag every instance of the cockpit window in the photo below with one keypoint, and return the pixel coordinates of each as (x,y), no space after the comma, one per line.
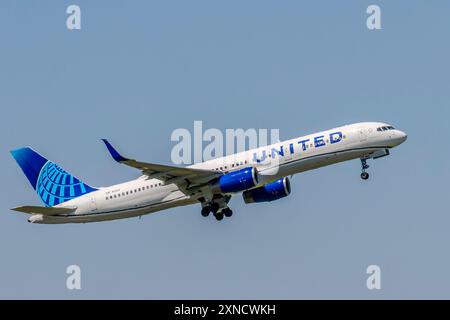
(384,128)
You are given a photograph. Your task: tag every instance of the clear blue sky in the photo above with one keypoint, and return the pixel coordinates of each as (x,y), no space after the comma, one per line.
(138,70)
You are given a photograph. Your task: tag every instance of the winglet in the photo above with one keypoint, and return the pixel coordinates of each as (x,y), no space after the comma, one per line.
(116,155)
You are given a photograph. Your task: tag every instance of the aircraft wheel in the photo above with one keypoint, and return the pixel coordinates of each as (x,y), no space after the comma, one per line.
(227,212)
(214,207)
(205,211)
(219,216)
(364,175)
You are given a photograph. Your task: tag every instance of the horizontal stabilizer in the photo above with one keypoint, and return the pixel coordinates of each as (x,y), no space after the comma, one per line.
(46,211)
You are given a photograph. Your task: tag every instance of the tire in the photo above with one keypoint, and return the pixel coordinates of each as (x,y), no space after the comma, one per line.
(205,211)
(219,216)
(227,212)
(364,175)
(214,207)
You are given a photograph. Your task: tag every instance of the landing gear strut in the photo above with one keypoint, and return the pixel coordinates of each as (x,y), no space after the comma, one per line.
(364,166)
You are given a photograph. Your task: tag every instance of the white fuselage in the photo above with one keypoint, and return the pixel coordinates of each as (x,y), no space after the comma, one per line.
(143,196)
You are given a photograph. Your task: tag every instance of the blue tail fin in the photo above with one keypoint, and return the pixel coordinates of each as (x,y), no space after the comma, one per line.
(51,182)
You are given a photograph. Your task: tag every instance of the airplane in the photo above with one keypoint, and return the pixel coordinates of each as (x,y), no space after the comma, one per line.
(261,175)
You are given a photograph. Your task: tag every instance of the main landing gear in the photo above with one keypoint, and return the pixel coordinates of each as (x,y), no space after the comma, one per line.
(225,212)
(219,213)
(364,166)
(205,211)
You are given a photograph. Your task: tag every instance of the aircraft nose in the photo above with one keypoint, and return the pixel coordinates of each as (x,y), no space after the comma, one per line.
(402,136)
(398,137)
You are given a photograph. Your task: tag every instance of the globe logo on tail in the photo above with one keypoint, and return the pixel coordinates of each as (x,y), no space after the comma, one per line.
(55,186)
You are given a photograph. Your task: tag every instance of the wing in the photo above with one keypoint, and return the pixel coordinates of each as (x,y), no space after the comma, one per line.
(46,211)
(183,177)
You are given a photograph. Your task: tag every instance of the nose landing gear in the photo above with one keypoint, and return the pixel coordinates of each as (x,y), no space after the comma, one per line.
(364,166)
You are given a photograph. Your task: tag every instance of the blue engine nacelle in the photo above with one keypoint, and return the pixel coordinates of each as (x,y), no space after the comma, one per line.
(236,181)
(269,192)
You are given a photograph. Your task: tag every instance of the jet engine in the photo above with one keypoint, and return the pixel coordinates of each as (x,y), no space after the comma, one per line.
(272,191)
(236,181)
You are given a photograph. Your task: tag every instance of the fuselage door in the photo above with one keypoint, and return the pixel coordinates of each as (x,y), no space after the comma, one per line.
(93,204)
(363,134)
